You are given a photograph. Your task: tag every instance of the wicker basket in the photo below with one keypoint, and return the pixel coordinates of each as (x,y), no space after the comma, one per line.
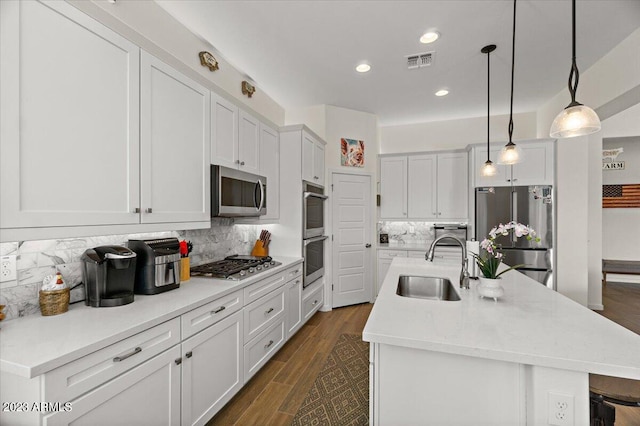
(54,302)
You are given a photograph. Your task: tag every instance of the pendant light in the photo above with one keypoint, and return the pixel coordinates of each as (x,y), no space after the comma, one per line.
(576,119)
(488,169)
(510,153)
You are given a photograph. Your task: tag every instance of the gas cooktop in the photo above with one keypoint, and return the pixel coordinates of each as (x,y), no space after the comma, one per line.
(235,267)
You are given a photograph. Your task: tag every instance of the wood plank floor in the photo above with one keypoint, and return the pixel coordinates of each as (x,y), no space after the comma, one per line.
(275,393)
(622,305)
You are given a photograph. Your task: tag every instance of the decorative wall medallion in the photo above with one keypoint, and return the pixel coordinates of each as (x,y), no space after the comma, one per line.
(207,60)
(247,88)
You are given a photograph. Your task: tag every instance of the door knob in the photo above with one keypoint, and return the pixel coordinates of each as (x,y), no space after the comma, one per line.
(367,245)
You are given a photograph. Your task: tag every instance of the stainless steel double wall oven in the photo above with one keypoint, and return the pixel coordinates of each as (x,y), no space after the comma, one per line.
(313,232)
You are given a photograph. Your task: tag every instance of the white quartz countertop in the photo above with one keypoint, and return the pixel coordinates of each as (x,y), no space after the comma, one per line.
(530,324)
(33,345)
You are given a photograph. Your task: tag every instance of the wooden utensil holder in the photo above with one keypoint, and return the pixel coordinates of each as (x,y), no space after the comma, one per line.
(185,269)
(259,249)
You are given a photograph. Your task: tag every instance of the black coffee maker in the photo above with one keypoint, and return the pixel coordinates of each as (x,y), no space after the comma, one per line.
(109,274)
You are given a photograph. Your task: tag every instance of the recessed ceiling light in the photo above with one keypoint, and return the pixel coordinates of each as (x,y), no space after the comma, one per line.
(429,37)
(363,68)
(443,92)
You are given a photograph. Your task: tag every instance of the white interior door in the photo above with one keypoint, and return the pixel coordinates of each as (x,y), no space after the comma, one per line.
(351,219)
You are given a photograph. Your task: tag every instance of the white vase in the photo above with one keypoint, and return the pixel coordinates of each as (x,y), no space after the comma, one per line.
(490,287)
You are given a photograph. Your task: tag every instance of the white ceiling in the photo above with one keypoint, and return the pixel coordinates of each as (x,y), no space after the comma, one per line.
(303,53)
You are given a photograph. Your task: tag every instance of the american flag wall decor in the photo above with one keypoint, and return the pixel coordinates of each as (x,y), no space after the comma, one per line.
(621,196)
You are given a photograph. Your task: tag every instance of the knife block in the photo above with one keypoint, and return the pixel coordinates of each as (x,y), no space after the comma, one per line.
(259,249)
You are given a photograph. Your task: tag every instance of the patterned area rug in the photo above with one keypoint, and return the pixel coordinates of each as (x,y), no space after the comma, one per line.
(340,394)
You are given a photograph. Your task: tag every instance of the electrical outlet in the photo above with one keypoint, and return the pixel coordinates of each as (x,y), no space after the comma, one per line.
(412,230)
(560,409)
(8,268)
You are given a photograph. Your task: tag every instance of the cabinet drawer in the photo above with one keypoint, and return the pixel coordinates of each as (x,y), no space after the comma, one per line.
(80,376)
(293,272)
(204,316)
(262,313)
(389,254)
(312,302)
(416,254)
(261,349)
(148,394)
(257,290)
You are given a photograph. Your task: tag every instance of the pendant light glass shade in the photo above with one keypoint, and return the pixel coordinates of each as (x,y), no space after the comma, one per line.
(573,121)
(510,154)
(488,169)
(576,119)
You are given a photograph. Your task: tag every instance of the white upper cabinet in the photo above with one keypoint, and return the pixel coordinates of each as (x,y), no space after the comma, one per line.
(422,199)
(175,144)
(224,132)
(424,187)
(270,168)
(69,119)
(536,167)
(393,187)
(312,159)
(249,143)
(234,136)
(453,186)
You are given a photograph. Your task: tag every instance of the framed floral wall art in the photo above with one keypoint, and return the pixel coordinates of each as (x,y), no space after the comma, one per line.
(352,153)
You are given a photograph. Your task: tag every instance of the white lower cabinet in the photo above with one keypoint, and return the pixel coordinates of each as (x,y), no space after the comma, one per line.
(293,299)
(149,394)
(180,372)
(312,300)
(385,257)
(212,369)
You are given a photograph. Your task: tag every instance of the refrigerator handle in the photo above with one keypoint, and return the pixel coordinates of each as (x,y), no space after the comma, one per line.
(514,212)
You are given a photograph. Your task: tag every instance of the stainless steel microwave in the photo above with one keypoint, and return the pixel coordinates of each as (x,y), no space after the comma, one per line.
(235,193)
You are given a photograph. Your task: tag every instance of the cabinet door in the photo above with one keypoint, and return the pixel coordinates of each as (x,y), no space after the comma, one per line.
(502,172)
(224,132)
(537,165)
(293,318)
(308,146)
(422,189)
(69,117)
(318,163)
(148,394)
(248,144)
(453,186)
(212,363)
(383,268)
(270,168)
(175,144)
(393,188)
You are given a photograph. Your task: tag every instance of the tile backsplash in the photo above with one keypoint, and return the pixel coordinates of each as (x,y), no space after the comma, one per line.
(37,259)
(407,232)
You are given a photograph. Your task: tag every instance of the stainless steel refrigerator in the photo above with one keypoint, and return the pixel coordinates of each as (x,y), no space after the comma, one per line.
(529,205)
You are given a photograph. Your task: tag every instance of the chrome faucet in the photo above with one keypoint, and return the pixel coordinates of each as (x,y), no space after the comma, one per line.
(464,274)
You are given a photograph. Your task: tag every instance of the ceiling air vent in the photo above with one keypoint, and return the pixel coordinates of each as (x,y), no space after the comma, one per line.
(420,60)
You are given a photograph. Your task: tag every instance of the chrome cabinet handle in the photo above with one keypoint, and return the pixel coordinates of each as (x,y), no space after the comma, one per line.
(267,312)
(314,302)
(136,210)
(220,309)
(268,344)
(242,163)
(130,354)
(316,177)
(178,361)
(367,245)
(149,210)
(297,281)
(237,161)
(189,354)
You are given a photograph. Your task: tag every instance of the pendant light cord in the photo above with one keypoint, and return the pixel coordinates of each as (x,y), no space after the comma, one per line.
(488,99)
(513,61)
(574,74)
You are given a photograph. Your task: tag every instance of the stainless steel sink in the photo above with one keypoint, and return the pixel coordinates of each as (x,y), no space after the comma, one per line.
(433,288)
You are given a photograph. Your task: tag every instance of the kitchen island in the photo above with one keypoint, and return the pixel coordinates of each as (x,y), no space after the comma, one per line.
(477,361)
